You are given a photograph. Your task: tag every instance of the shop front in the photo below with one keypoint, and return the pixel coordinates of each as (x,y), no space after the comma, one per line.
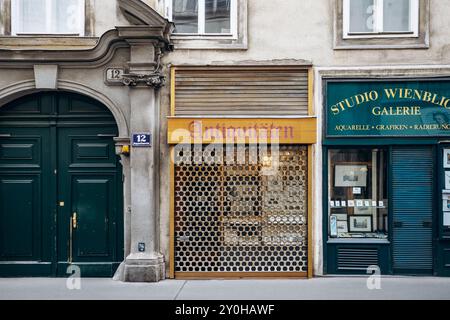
(241,176)
(386,190)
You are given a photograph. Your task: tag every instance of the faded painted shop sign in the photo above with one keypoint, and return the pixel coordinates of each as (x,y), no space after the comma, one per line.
(391,108)
(221,130)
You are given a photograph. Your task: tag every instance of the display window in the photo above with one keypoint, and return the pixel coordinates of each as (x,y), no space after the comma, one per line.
(357,193)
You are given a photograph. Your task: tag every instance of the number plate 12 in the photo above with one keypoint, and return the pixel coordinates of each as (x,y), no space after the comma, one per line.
(114,76)
(142,140)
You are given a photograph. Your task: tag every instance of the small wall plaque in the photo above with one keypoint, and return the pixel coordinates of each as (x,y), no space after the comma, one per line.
(114,76)
(143,139)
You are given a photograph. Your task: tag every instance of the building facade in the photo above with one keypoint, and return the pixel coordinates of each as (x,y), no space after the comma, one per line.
(223,138)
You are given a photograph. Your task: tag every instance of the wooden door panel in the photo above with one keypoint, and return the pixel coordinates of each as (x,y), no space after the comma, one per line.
(57,156)
(20,217)
(93,202)
(26,215)
(88,169)
(20,152)
(91,151)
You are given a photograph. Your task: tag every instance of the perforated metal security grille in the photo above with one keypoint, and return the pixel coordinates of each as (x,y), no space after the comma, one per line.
(236,218)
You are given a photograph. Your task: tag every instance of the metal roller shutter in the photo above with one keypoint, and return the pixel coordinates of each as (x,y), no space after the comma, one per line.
(256,91)
(412,200)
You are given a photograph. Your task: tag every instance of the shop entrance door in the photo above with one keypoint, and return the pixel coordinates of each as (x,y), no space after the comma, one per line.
(60,187)
(412,208)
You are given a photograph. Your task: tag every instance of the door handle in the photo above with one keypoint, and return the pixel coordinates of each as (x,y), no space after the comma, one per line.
(74,220)
(5,135)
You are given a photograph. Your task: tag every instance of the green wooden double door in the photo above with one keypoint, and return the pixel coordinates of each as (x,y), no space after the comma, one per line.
(60,187)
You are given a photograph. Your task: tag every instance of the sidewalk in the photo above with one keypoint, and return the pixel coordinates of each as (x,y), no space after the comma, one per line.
(392,288)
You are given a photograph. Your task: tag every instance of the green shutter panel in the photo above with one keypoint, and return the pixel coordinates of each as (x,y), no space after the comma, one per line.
(412,202)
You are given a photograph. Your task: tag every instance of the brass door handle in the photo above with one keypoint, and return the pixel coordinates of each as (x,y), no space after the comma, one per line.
(74,220)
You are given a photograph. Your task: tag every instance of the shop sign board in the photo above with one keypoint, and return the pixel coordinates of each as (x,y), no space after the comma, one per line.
(242,130)
(392,108)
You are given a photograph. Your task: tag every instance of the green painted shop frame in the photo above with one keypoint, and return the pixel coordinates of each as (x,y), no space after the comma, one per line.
(408,119)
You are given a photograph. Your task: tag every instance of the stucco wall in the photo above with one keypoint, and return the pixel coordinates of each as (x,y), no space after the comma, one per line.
(107,15)
(289,30)
(278,32)
(292,29)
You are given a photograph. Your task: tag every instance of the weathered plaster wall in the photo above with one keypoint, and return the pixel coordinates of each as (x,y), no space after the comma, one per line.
(107,15)
(292,29)
(299,30)
(278,31)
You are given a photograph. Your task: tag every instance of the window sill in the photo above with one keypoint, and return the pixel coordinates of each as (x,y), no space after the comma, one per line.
(47,42)
(363,36)
(209,42)
(358,241)
(381,46)
(387,33)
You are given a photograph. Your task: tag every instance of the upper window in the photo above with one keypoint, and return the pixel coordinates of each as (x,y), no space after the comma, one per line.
(381,18)
(60,17)
(204,17)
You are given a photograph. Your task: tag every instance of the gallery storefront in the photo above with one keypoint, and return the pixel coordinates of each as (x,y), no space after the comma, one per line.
(386,190)
(241,172)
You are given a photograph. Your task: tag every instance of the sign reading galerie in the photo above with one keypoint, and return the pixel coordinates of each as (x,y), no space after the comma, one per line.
(391,108)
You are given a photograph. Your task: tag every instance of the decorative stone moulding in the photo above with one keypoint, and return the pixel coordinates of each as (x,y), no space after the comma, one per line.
(155,80)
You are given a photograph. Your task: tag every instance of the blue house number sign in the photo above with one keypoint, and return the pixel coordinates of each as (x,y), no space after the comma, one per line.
(142,140)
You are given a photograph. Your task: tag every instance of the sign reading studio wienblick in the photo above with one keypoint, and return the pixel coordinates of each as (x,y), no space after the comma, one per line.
(388,108)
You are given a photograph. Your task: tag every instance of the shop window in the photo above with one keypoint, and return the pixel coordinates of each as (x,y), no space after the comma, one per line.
(48,17)
(374,18)
(374,24)
(208,23)
(357,204)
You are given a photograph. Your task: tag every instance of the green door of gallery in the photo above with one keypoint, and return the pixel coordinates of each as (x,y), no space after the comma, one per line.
(60,187)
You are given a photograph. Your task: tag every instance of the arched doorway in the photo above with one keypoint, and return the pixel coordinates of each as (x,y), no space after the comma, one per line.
(60,187)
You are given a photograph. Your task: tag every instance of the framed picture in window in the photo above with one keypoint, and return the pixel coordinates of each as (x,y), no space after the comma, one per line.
(446,201)
(447,180)
(341,216)
(364,208)
(350,175)
(342,227)
(333,226)
(446,159)
(360,223)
